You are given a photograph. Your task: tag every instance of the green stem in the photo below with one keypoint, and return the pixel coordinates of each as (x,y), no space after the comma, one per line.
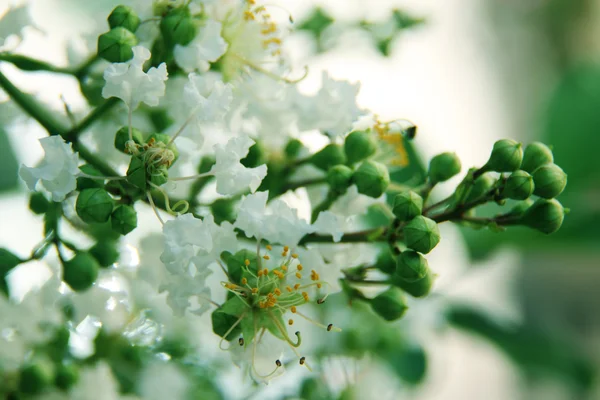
(32,107)
(25,63)
(306,182)
(92,117)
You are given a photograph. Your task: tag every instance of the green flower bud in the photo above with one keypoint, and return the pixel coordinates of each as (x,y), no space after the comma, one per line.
(443,167)
(124,219)
(67,375)
(116,45)
(371,178)
(339,178)
(390,305)
(328,156)
(520,207)
(536,155)
(544,215)
(481,187)
(122,137)
(34,378)
(124,16)
(136,173)
(159,176)
(411,266)
(91,88)
(519,186)
(418,288)
(8,260)
(506,156)
(407,205)
(89,183)
(386,262)
(359,145)
(38,203)
(81,271)
(223,210)
(421,234)
(293,148)
(94,205)
(178,26)
(550,180)
(105,252)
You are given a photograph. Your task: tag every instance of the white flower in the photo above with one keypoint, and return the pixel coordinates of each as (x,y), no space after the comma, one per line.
(223,238)
(206,100)
(232,176)
(208,46)
(163,380)
(13,22)
(277,223)
(96,383)
(181,288)
(333,224)
(130,83)
(332,110)
(258,358)
(57,171)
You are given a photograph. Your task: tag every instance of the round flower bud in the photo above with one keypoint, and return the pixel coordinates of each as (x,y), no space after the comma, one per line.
(411,266)
(105,252)
(66,376)
(34,378)
(328,156)
(178,26)
(506,156)
(339,178)
(293,148)
(536,154)
(443,167)
(124,219)
(386,262)
(520,207)
(89,183)
(122,137)
(38,203)
(390,305)
(371,178)
(359,145)
(116,45)
(94,205)
(544,215)
(421,234)
(407,205)
(519,186)
(481,187)
(124,16)
(81,271)
(550,180)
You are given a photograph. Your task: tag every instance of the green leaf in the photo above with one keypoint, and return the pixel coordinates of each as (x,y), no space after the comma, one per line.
(535,351)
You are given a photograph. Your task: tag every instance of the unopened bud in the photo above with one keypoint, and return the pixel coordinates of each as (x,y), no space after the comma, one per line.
(371,178)
(178,26)
(359,145)
(520,207)
(105,252)
(386,262)
(407,205)
(125,17)
(35,377)
(123,219)
(481,187)
(544,215)
(122,137)
(116,45)
(390,305)
(413,274)
(94,205)
(89,183)
(81,271)
(550,180)
(328,156)
(421,234)
(38,203)
(519,186)
(536,154)
(66,376)
(339,178)
(443,167)
(293,148)
(506,156)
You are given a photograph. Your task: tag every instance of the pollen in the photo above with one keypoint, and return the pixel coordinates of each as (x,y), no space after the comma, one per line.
(284,267)
(305,295)
(277,292)
(248,15)
(260,273)
(244,281)
(290,322)
(269,247)
(266,257)
(296,286)
(283,253)
(298,275)
(265,271)
(230,286)
(254,290)
(246,262)
(278,273)
(294,255)
(286,248)
(319,285)
(289,289)
(293,309)
(299,267)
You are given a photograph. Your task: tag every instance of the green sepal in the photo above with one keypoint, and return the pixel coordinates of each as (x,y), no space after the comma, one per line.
(422,234)
(89,183)
(136,173)
(235,262)
(116,46)
(124,16)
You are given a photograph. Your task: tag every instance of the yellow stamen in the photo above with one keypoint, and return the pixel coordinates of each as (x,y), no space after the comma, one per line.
(244,281)
(289,289)
(299,267)
(298,275)
(286,248)
(254,290)
(294,255)
(266,257)
(269,247)
(305,295)
(296,286)
(246,262)
(290,322)
(293,309)
(277,292)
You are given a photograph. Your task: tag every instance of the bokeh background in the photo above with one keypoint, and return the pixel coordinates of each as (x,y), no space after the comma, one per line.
(520,309)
